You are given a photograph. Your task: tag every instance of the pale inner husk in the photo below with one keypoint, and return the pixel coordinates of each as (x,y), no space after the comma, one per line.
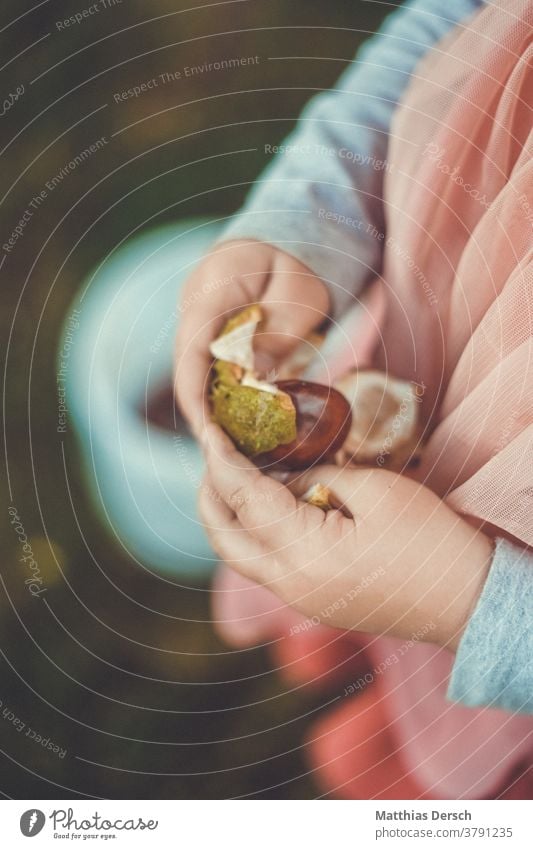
(385,418)
(236,346)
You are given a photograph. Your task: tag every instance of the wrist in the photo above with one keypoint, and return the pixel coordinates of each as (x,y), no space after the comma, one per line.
(473,566)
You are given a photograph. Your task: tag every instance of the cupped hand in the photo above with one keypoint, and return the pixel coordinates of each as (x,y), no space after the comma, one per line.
(405,564)
(230,278)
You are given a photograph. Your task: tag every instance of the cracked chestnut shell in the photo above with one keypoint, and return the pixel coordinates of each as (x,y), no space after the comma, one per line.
(323,421)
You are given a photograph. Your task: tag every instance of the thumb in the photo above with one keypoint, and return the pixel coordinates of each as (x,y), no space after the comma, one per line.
(294,303)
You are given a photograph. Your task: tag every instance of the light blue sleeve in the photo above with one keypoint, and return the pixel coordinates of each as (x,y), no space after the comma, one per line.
(321,197)
(494,662)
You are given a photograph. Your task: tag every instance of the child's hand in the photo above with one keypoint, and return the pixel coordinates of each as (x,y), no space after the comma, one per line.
(235,275)
(405,564)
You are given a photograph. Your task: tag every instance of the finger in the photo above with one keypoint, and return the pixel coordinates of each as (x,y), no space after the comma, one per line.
(212,506)
(191,376)
(343,484)
(229,539)
(200,324)
(295,302)
(265,507)
(204,309)
(359,489)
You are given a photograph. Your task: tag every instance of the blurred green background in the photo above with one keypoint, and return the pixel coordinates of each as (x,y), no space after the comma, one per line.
(102,676)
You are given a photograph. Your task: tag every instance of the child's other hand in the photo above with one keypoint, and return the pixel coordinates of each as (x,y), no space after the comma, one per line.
(405,565)
(233,276)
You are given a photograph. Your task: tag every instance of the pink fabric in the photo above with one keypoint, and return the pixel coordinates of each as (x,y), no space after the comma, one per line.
(457,204)
(459,289)
(245,613)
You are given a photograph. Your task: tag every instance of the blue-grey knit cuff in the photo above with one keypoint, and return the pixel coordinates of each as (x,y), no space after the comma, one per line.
(493,665)
(326,247)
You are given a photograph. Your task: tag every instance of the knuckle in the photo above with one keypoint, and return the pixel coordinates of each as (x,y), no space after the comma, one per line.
(251,502)
(206,494)
(241,501)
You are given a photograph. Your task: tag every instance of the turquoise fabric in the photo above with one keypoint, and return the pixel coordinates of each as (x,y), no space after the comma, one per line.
(144,479)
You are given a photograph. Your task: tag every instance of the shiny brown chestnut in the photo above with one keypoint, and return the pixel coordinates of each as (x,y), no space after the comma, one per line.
(323,421)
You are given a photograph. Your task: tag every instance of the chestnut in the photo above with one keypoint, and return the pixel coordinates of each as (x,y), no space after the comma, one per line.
(323,421)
